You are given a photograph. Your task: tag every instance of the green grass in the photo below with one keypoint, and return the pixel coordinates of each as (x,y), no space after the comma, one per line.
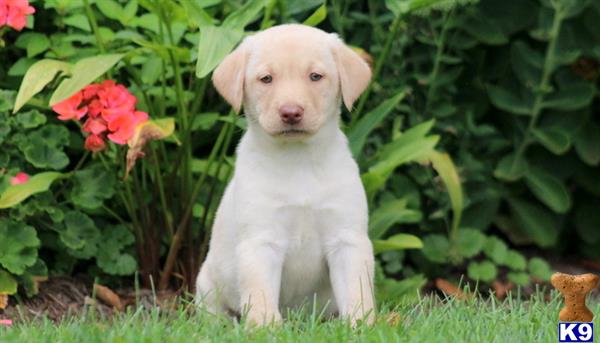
(428,320)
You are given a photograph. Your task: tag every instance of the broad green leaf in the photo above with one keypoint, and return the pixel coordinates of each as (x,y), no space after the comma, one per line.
(535,221)
(571,98)
(8,284)
(484,271)
(495,249)
(527,63)
(357,134)
(110,8)
(511,168)
(390,213)
(205,121)
(508,101)
(244,15)
(38,183)
(144,133)
(80,235)
(587,143)
(445,167)
(111,256)
(469,242)
(214,44)
(30,119)
(36,78)
(539,269)
(18,246)
(548,189)
(79,21)
(317,17)
(515,260)
(34,42)
(45,156)
(436,247)
(197,14)
(84,72)
(397,242)
(554,139)
(91,186)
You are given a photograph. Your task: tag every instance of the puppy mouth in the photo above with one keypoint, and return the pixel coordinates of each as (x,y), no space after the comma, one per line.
(292,133)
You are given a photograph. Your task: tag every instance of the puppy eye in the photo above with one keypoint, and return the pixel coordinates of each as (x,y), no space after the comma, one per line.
(266,79)
(315,76)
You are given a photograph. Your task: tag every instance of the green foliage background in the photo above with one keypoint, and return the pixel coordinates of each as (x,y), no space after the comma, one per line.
(497,101)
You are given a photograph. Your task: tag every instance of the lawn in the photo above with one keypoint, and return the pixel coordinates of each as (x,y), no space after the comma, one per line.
(427,320)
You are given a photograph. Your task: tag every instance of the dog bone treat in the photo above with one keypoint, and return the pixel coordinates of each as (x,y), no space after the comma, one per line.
(574,289)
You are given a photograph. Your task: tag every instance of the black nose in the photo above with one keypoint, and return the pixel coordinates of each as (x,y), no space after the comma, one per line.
(291,114)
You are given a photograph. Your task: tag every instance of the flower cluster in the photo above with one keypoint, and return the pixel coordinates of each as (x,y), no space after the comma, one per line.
(14,12)
(110,110)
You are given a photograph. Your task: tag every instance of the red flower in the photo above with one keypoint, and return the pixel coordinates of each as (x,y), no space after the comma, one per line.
(111,113)
(69,108)
(14,12)
(94,143)
(19,179)
(94,126)
(123,127)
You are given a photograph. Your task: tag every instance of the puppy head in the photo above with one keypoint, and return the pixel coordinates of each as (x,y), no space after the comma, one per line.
(291,79)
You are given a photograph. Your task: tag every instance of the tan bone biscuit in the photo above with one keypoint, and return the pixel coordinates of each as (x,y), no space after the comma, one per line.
(574,289)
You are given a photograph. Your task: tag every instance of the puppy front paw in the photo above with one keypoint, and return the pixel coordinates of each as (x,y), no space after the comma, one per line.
(261,317)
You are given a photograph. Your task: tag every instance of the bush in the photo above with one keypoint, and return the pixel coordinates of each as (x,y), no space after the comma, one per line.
(507,88)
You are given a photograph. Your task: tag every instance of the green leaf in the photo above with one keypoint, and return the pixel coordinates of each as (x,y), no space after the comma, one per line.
(197,14)
(484,271)
(445,167)
(36,78)
(214,44)
(397,242)
(527,63)
(515,260)
(495,249)
(80,235)
(436,247)
(110,8)
(587,222)
(8,284)
(539,269)
(511,168)
(587,143)
(357,134)
(33,276)
(519,278)
(535,221)
(390,213)
(548,189)
(34,42)
(554,139)
(317,17)
(508,101)
(469,242)
(91,186)
(30,119)
(571,98)
(43,148)
(79,21)
(244,15)
(15,194)
(18,246)
(84,72)
(111,257)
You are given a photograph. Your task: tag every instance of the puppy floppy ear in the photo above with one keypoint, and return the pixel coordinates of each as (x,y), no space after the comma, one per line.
(228,77)
(354,72)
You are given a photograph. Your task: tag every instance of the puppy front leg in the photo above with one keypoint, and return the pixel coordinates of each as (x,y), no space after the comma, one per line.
(351,268)
(260,267)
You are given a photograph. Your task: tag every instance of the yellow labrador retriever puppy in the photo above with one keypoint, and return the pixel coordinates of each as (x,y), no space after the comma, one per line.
(291,228)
